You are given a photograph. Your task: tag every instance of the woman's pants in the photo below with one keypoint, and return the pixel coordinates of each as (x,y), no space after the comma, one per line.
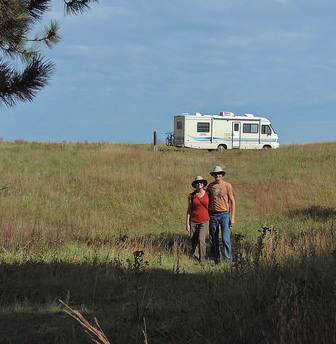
(198,232)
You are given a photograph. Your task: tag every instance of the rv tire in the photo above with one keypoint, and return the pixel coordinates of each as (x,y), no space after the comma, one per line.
(267,147)
(221,148)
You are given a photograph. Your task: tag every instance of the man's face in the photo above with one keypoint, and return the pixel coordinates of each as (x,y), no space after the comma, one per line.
(218,177)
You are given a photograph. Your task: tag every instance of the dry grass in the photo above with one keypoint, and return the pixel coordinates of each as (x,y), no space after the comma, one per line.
(72,215)
(53,194)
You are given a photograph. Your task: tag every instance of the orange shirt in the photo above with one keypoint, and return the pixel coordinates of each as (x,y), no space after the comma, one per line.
(199,210)
(219,196)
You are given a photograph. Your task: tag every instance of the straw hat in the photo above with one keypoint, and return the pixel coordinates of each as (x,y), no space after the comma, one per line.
(199,179)
(218,170)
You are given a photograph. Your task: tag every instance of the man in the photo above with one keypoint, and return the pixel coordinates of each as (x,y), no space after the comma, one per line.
(222,203)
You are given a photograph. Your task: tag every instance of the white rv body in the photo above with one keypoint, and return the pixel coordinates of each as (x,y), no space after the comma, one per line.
(224,131)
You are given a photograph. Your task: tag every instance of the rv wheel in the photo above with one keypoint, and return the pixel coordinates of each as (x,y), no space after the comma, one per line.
(267,147)
(221,148)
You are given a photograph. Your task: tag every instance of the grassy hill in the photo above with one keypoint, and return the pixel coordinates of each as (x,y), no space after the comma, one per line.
(102,227)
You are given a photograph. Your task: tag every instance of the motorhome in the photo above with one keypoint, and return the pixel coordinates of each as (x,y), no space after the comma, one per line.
(224,131)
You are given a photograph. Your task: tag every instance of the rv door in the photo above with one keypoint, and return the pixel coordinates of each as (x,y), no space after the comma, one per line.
(235,135)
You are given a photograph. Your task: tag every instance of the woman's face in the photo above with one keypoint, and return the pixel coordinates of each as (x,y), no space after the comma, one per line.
(199,185)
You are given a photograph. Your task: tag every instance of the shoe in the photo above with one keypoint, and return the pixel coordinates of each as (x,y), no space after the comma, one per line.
(195,259)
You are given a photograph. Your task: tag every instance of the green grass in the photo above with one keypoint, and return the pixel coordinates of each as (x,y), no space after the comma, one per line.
(73,214)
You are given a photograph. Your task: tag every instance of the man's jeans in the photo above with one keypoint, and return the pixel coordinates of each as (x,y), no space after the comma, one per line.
(220,219)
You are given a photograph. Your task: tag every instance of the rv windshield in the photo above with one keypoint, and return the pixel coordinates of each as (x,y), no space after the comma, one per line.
(266,129)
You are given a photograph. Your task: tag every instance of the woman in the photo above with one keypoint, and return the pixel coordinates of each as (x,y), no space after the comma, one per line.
(198,218)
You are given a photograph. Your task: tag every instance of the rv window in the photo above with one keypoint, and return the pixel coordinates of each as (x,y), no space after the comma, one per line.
(203,127)
(179,125)
(250,128)
(265,129)
(236,127)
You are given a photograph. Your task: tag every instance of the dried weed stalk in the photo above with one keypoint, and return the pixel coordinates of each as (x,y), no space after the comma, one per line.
(95,332)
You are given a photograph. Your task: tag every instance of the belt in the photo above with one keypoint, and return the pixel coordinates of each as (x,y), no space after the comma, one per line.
(217,212)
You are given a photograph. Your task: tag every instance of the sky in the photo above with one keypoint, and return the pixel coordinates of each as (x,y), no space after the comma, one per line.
(125,68)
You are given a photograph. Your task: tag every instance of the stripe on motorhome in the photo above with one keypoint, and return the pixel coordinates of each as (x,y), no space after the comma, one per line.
(221,139)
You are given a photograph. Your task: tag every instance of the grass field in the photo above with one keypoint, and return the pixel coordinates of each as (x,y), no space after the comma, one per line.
(102,227)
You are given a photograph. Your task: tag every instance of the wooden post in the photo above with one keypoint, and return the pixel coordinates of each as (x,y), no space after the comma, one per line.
(155,141)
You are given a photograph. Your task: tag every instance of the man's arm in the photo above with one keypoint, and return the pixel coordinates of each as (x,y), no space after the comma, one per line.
(232,208)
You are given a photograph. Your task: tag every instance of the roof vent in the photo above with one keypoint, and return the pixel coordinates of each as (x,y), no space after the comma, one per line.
(198,114)
(226,114)
(249,115)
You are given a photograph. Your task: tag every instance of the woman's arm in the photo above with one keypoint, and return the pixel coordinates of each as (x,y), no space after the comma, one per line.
(188,214)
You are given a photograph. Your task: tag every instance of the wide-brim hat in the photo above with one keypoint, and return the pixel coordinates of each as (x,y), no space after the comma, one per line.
(218,170)
(199,179)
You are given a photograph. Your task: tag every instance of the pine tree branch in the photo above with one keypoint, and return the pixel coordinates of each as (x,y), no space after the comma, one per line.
(16,86)
(50,36)
(77,6)
(17,20)
(37,8)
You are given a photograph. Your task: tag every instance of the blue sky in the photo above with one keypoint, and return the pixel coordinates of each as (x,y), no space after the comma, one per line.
(125,68)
